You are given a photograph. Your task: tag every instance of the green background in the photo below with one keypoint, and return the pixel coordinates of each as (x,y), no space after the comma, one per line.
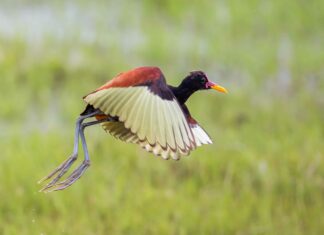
(264,174)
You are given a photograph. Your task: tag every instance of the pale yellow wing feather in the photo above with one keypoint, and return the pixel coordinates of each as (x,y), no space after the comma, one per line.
(130,106)
(131,109)
(150,127)
(143,116)
(161,133)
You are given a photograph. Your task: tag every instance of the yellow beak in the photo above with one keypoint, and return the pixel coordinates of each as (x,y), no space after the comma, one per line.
(219,88)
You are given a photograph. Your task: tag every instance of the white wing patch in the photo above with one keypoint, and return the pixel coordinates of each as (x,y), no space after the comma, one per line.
(157,125)
(201,136)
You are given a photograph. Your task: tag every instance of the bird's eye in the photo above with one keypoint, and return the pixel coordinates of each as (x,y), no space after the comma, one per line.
(202,80)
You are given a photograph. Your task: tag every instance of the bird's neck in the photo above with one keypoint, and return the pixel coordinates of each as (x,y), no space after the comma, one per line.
(182,92)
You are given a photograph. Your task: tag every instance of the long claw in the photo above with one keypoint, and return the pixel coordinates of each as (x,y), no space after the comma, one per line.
(75,175)
(65,166)
(62,169)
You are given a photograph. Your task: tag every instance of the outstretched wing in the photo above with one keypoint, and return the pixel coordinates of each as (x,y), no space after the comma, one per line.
(118,130)
(146,106)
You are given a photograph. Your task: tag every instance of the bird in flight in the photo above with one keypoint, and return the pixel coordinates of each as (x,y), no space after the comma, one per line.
(139,107)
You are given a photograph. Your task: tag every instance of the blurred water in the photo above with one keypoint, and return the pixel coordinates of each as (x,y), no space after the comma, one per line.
(35,23)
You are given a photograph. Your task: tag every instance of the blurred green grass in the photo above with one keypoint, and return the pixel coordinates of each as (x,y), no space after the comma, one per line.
(264,174)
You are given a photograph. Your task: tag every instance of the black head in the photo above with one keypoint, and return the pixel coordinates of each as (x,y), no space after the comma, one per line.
(196,80)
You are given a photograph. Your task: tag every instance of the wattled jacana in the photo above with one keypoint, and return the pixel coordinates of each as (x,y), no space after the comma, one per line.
(139,107)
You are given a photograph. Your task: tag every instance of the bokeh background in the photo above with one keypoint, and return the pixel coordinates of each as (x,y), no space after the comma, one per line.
(264,174)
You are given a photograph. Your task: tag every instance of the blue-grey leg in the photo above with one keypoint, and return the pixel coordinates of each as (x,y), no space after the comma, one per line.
(78,172)
(64,167)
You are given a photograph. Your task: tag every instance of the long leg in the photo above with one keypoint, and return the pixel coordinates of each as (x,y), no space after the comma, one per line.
(63,168)
(78,172)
